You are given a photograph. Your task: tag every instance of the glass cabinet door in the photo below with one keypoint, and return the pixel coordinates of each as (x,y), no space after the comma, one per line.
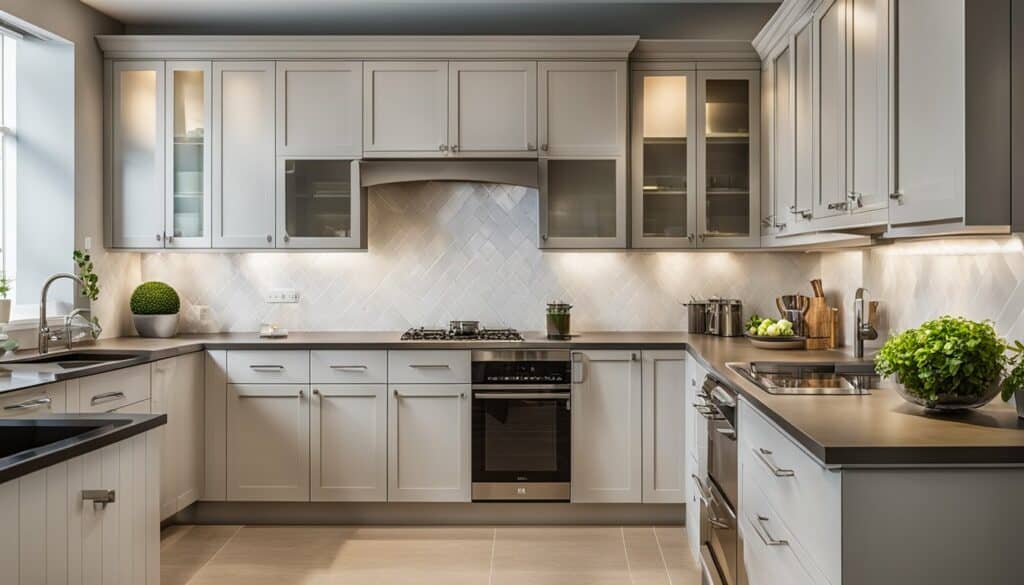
(728,159)
(582,203)
(663,160)
(319,204)
(188,155)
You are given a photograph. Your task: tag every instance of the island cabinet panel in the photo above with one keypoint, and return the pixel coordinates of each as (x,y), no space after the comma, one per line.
(606,427)
(664,451)
(349,443)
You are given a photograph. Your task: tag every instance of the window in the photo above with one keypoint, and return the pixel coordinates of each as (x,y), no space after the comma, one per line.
(8,150)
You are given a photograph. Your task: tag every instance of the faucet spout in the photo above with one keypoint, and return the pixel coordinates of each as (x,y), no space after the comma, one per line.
(44,328)
(865,330)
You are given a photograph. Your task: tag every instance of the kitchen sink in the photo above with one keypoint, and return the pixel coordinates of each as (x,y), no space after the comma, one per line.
(21,436)
(68,363)
(795,378)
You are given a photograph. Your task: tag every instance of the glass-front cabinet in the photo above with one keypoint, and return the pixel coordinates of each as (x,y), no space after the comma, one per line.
(320,203)
(187,193)
(727,159)
(664,122)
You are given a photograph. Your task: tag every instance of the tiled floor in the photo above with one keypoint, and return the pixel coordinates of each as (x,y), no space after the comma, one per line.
(338,555)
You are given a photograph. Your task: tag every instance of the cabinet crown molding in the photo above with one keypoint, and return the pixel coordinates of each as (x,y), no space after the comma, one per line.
(781,24)
(365,47)
(693,50)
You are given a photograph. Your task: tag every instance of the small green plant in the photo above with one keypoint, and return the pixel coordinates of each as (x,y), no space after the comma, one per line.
(1014,381)
(948,356)
(5,285)
(155,298)
(91,288)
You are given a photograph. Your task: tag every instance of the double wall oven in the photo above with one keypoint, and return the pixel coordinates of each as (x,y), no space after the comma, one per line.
(522,427)
(718,490)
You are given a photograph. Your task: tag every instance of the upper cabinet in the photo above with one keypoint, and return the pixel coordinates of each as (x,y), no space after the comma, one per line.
(319,109)
(189,156)
(492,109)
(405,109)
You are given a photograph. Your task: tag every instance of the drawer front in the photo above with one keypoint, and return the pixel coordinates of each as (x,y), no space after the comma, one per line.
(47,399)
(771,555)
(428,366)
(110,391)
(268,367)
(348,367)
(806,495)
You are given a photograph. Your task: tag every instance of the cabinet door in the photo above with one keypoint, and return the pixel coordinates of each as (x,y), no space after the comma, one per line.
(320,108)
(243,155)
(664,162)
(189,156)
(405,109)
(664,449)
(830,77)
(429,443)
(930,109)
(320,204)
(493,108)
(606,427)
(728,151)
(348,443)
(582,109)
(803,125)
(783,143)
(583,203)
(178,391)
(268,442)
(868,105)
(137,155)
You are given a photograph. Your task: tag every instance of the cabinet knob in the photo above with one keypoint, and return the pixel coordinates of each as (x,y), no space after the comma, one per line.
(531,147)
(301,394)
(544,237)
(897,196)
(159,237)
(287,238)
(170,239)
(270,238)
(544,147)
(316,392)
(455,148)
(443,148)
(633,357)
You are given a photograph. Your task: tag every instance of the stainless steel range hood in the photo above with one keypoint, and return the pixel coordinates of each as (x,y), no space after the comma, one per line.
(507,172)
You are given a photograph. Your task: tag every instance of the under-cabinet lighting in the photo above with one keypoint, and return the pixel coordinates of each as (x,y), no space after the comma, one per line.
(954,247)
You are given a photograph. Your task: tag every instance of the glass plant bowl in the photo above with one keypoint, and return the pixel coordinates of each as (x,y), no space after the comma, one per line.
(950,402)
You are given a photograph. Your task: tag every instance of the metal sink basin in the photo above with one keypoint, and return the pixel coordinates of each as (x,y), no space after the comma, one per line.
(795,378)
(65,364)
(33,435)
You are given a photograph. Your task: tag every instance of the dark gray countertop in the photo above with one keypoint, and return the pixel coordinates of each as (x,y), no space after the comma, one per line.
(104,429)
(878,429)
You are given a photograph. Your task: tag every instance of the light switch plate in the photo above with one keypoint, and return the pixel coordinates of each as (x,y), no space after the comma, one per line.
(282,295)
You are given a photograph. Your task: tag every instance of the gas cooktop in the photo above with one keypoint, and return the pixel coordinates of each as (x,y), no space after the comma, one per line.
(482,334)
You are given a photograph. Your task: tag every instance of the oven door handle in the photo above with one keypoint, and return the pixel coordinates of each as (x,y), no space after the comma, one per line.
(522,395)
(708,499)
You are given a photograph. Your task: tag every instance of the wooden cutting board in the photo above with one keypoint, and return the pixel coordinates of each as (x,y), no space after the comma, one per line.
(818,318)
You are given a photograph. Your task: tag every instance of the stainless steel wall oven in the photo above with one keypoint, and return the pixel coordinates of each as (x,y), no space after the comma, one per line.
(718,492)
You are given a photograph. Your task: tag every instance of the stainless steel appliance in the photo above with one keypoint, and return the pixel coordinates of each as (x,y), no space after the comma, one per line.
(725,317)
(810,378)
(718,492)
(461,331)
(522,427)
(696,316)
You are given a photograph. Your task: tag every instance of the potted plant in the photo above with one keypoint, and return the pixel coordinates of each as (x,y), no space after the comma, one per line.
(1013,385)
(5,303)
(155,307)
(950,363)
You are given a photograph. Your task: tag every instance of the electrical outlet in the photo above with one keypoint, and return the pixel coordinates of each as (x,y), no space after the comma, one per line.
(202,312)
(282,295)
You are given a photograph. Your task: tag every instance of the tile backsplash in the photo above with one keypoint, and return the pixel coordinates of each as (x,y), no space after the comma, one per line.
(441,251)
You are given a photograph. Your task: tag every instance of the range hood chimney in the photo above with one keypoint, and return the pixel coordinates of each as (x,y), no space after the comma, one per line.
(507,172)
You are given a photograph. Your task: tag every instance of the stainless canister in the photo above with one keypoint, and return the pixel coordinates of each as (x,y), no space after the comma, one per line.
(725,317)
(696,316)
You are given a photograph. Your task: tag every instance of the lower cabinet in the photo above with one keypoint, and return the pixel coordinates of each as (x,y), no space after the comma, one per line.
(268,442)
(606,427)
(349,443)
(177,391)
(48,399)
(664,387)
(429,455)
(695,461)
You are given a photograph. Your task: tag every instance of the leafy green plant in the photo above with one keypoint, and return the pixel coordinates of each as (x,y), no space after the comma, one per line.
(5,285)
(83,260)
(948,356)
(155,298)
(1014,381)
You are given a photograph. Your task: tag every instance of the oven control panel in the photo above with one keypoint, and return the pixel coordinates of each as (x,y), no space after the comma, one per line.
(522,367)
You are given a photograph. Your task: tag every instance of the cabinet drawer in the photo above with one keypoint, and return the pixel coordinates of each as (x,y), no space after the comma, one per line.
(111,390)
(806,495)
(33,402)
(771,554)
(348,367)
(428,367)
(268,367)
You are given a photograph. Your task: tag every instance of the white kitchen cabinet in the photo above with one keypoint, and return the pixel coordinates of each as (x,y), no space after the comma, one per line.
(583,203)
(493,108)
(781,187)
(178,392)
(268,442)
(320,109)
(728,163)
(48,399)
(582,108)
(243,154)
(607,426)
(187,193)
(136,151)
(349,443)
(112,390)
(830,28)
(215,422)
(695,462)
(320,204)
(801,46)
(664,439)
(429,455)
(405,109)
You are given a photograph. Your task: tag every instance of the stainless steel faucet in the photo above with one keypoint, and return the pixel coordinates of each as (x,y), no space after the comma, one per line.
(865,330)
(45,335)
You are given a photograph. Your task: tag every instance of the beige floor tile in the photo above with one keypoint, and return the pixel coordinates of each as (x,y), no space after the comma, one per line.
(285,548)
(566,555)
(561,578)
(463,552)
(682,570)
(185,549)
(646,564)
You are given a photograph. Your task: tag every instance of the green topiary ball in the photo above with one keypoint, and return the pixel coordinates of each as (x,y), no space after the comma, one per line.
(155,298)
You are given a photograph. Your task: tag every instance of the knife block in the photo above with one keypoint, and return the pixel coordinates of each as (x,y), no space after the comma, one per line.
(818,321)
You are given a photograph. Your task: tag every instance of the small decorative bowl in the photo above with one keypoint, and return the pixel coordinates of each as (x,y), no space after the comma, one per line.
(950,402)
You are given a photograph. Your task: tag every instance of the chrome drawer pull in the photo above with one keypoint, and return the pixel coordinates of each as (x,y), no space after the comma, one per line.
(99,498)
(430,366)
(461,395)
(763,454)
(730,433)
(106,397)
(346,368)
(28,404)
(766,538)
(266,368)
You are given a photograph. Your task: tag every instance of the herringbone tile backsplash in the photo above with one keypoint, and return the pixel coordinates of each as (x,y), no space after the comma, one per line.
(441,251)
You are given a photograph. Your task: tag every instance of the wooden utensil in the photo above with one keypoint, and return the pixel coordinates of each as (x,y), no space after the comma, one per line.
(819,291)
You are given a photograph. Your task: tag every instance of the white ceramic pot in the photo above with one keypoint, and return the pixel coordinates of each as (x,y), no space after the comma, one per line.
(1018,397)
(5,310)
(156,325)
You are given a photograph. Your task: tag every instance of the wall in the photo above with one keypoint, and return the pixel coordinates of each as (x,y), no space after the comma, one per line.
(78,24)
(441,251)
